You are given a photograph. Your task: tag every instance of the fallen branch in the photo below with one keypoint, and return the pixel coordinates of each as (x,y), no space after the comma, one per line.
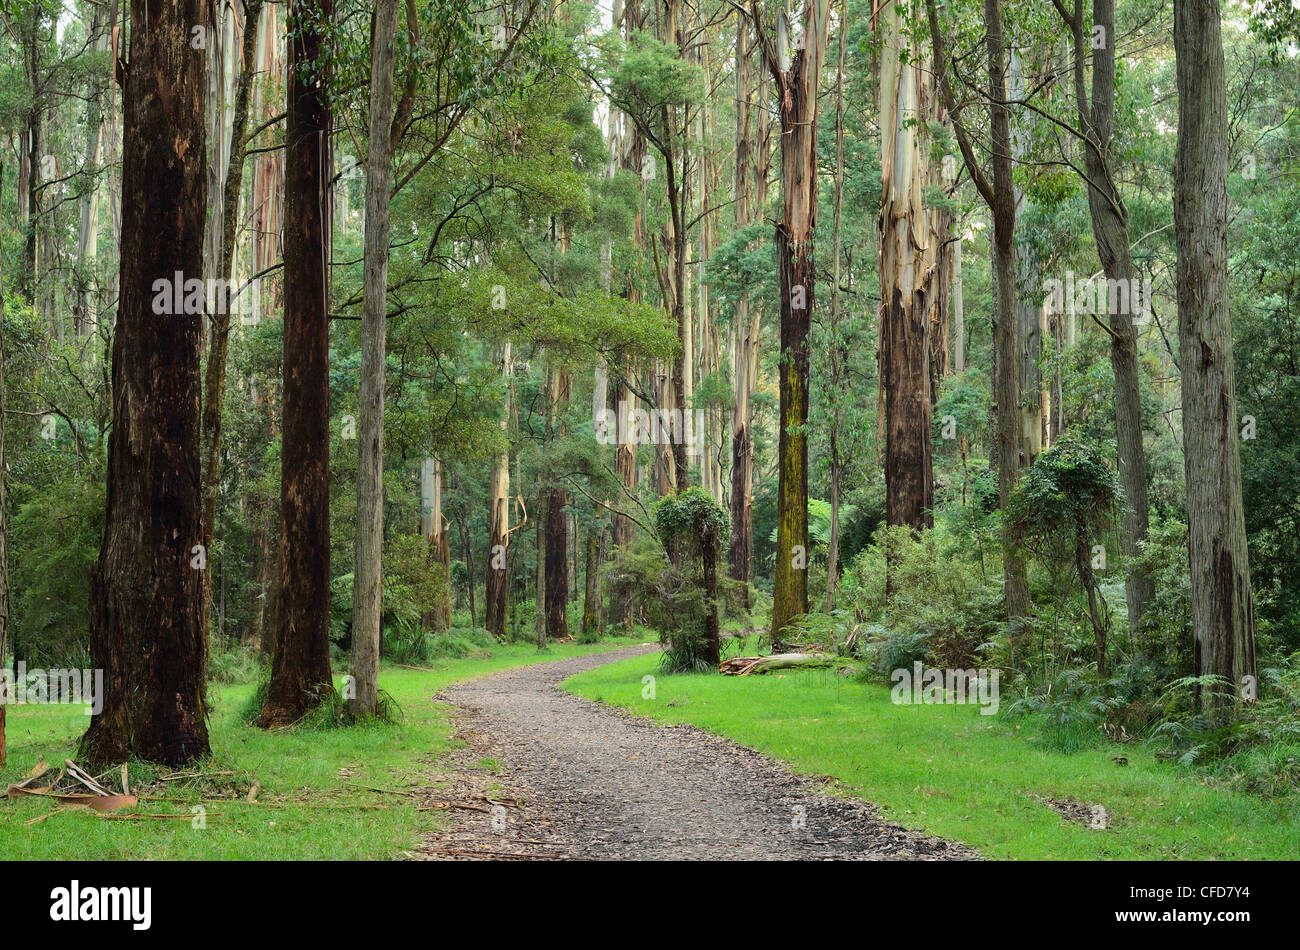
(386,791)
(745,665)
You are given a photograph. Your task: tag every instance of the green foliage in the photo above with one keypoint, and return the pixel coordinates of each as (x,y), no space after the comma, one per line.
(671,591)
(925,602)
(58,530)
(1070,492)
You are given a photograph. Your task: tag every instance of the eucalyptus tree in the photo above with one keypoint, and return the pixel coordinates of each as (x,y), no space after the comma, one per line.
(1223,604)
(795,81)
(147,628)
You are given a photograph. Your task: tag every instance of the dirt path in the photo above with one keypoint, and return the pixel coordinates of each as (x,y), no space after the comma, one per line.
(581,780)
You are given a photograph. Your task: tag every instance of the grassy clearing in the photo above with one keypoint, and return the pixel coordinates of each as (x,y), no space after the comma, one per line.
(952,772)
(310,805)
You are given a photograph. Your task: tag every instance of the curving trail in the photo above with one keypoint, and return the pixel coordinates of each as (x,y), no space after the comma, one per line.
(585,781)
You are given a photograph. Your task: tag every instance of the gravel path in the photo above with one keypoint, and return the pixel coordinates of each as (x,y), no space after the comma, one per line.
(578,780)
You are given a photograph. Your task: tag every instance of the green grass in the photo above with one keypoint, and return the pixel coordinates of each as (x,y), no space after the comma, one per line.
(952,772)
(309,805)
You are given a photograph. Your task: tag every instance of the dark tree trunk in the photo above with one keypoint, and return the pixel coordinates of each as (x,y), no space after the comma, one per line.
(557,572)
(592,613)
(300,669)
(1223,606)
(712,629)
(4,511)
(147,631)
(797,96)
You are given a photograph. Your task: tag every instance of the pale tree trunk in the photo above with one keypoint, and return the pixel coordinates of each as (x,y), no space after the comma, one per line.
(268,169)
(84,314)
(1029,340)
(435,528)
(368,581)
(906,284)
(750,189)
(147,631)
(497,575)
(300,670)
(796,89)
(632,152)
(29,279)
(1223,607)
(958,311)
(219,323)
(1111,231)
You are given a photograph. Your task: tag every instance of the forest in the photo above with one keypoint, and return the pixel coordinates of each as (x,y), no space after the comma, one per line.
(394,391)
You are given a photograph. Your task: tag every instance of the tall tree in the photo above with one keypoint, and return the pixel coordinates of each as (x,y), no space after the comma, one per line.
(497,580)
(1111,231)
(796,96)
(147,627)
(219,322)
(4,511)
(998,192)
(367,589)
(838,374)
(1223,606)
(300,668)
(750,198)
(907,282)
(556,546)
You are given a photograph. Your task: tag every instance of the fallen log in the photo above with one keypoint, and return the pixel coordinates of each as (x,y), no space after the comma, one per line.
(745,665)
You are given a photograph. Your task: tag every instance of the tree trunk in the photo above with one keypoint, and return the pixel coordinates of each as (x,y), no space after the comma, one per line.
(539,591)
(28,280)
(958,311)
(906,287)
(592,613)
(747,326)
(1029,339)
(4,511)
(712,629)
(300,669)
(557,535)
(1083,563)
(999,195)
(797,97)
(84,310)
(837,380)
(368,579)
(147,631)
(219,322)
(1110,229)
(1223,607)
(436,529)
(497,579)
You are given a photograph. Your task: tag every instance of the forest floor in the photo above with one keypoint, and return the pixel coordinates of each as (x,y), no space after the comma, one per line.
(569,778)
